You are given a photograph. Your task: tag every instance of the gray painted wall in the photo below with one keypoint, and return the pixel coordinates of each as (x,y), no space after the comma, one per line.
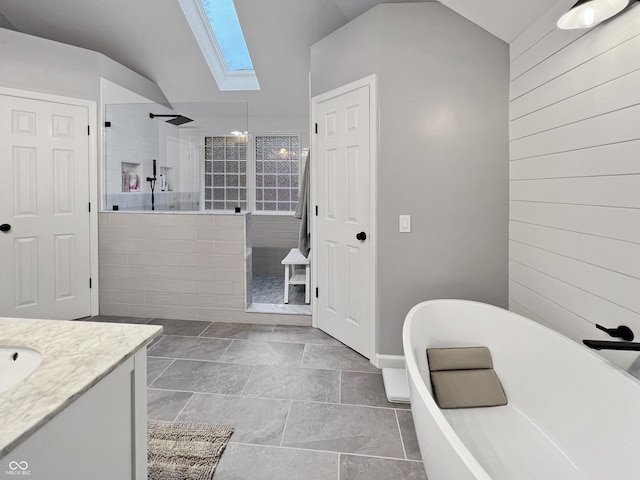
(443,153)
(4,23)
(37,64)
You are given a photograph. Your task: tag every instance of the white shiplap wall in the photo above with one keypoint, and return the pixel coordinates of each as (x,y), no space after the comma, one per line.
(574,232)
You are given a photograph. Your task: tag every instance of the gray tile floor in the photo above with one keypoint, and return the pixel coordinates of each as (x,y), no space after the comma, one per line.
(302,405)
(268,288)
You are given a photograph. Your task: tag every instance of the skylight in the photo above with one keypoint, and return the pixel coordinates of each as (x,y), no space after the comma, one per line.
(226,28)
(217,30)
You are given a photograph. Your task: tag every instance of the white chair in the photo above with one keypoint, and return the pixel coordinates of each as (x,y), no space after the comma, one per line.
(294,275)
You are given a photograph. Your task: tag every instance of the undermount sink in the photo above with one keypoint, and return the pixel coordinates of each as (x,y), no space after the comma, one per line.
(16,363)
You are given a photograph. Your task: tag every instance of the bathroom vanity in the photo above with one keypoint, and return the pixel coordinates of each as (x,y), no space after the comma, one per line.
(81,413)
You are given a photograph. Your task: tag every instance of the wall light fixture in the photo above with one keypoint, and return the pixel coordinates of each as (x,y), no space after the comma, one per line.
(589,13)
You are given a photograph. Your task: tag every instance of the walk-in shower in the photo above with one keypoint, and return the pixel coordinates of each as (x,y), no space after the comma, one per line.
(154,156)
(202,158)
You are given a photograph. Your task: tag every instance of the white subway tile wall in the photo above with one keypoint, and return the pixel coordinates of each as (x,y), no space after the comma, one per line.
(181,266)
(272,237)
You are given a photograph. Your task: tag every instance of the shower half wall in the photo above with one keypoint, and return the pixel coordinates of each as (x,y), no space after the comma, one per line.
(180,265)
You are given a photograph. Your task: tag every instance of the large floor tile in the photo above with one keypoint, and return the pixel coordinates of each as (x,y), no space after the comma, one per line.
(328,357)
(294,383)
(155,366)
(255,462)
(264,353)
(295,334)
(209,377)
(180,327)
(409,438)
(343,428)
(154,341)
(302,405)
(193,348)
(165,404)
(359,388)
(254,420)
(243,331)
(368,468)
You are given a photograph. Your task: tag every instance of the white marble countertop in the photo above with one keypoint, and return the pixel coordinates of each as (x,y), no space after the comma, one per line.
(76,356)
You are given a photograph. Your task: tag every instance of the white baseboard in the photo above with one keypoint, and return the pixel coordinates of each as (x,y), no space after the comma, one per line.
(388,361)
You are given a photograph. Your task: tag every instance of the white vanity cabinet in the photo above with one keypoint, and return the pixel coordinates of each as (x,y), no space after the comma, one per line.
(101,435)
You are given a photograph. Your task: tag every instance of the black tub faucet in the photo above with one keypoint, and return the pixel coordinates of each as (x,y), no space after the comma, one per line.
(609,345)
(622,331)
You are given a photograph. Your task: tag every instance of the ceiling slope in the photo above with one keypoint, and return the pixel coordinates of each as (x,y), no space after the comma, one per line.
(153,38)
(506,19)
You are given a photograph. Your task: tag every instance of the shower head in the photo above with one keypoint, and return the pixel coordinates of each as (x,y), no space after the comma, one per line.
(175,119)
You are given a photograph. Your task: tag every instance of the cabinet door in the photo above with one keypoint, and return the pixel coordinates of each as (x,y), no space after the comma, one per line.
(94,436)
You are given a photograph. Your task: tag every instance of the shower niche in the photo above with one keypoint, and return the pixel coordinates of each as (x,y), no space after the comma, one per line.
(154,154)
(131,173)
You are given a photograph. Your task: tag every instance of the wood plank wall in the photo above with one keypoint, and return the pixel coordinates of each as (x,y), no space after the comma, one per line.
(574,245)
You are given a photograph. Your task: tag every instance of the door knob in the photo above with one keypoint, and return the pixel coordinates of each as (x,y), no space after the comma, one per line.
(5,227)
(361,236)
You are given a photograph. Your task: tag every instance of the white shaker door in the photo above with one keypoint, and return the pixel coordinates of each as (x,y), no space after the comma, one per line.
(342,255)
(44,199)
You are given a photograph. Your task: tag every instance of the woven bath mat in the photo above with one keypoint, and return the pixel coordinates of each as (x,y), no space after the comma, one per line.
(184,451)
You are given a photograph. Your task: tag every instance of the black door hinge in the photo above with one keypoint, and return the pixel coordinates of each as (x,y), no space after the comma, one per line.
(89,206)
(88,129)
(89,282)
(316,292)
(316,210)
(316,128)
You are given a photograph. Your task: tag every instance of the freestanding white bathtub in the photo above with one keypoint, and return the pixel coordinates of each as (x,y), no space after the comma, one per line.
(570,415)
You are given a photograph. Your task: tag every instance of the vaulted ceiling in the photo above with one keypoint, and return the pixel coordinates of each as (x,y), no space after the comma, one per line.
(152,37)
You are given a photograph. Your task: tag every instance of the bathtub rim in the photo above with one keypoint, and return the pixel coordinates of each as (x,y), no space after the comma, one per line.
(415,378)
(418,382)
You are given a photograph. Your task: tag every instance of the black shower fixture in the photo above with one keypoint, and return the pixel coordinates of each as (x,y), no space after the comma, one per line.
(175,119)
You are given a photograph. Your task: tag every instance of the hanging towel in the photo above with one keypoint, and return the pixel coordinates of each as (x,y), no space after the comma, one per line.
(302,211)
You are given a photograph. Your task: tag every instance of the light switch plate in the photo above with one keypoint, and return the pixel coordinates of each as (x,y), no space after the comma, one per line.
(404,223)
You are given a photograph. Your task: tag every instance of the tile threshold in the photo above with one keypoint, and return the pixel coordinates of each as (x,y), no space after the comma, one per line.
(286,309)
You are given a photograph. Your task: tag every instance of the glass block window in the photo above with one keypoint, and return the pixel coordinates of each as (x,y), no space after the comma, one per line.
(277,172)
(225,173)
